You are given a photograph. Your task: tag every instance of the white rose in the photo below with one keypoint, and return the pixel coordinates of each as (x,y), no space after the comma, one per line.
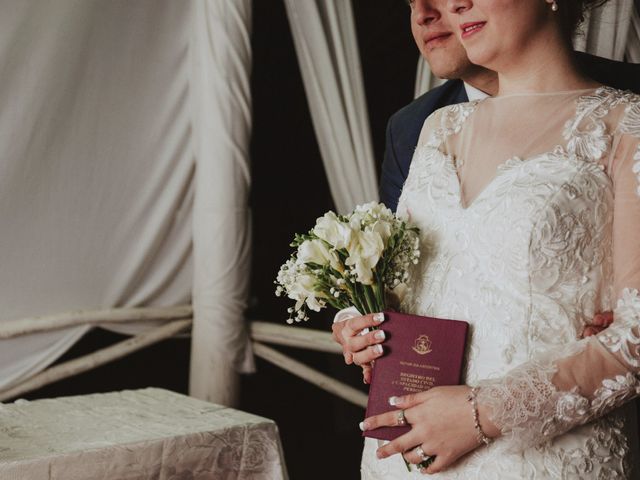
(330,229)
(316,251)
(364,252)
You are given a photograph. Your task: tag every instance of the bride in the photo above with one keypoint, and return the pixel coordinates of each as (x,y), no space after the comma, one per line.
(529,209)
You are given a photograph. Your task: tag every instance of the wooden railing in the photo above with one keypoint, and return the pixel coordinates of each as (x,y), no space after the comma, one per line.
(175,320)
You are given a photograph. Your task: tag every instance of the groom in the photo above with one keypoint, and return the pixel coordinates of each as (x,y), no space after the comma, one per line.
(439,45)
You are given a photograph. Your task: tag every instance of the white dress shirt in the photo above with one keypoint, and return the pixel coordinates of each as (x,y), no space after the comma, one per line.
(473,93)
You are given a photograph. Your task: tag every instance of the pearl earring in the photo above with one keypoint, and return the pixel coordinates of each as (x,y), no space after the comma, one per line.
(554,6)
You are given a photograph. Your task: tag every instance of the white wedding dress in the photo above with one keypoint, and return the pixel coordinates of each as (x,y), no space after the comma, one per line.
(529,210)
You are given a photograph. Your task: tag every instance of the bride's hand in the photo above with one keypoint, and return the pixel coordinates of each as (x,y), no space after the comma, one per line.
(357,347)
(442,424)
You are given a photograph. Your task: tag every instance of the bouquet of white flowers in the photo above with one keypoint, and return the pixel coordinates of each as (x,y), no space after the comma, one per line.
(353,260)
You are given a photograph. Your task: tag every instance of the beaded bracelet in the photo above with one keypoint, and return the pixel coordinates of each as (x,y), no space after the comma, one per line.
(482,437)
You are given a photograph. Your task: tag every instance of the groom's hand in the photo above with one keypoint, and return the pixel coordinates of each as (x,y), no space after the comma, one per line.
(599,323)
(359,345)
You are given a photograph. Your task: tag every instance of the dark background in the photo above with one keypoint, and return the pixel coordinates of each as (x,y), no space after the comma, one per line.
(319,432)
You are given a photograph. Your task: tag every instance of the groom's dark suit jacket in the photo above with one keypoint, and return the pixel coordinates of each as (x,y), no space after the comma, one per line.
(403,128)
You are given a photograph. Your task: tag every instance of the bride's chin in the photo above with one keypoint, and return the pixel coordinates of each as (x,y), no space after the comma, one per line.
(481,57)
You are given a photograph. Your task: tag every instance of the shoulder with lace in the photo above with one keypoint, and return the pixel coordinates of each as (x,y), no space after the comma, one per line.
(587,133)
(444,122)
(630,125)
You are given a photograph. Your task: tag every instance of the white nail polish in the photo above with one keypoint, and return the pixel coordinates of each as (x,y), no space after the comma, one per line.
(379,335)
(377,348)
(378,317)
(393,401)
(361,425)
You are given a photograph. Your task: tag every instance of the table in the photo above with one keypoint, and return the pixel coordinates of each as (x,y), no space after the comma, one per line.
(136,434)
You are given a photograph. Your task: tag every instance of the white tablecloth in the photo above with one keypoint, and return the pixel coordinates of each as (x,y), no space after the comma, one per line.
(141,434)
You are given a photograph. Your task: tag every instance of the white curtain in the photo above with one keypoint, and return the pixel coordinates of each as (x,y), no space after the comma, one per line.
(325,40)
(105,111)
(606,30)
(633,42)
(221,55)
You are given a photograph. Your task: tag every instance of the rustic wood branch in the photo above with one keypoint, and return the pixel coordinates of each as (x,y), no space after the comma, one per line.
(24,326)
(294,337)
(96,359)
(315,377)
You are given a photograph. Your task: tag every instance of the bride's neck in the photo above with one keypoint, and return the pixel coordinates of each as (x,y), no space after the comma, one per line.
(545,65)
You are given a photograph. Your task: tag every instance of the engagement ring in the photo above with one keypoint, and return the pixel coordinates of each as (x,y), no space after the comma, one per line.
(423,456)
(401,420)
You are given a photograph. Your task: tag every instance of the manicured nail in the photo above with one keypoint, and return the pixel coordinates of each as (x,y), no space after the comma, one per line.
(378,349)
(378,317)
(361,425)
(393,401)
(379,335)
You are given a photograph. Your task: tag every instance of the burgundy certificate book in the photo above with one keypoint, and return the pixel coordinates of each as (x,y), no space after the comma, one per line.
(420,353)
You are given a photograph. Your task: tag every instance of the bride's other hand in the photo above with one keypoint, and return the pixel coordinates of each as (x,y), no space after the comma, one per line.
(600,322)
(442,424)
(358,345)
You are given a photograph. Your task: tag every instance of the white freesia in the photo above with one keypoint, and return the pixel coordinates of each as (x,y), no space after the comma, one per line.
(382,228)
(375,210)
(330,229)
(316,251)
(365,250)
(314,303)
(301,289)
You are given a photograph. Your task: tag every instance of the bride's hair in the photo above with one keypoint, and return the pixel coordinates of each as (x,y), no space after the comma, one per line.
(572,12)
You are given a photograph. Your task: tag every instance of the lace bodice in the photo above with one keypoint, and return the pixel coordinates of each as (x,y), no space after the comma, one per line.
(529,210)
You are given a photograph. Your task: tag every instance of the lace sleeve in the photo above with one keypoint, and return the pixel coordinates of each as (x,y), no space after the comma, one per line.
(577,383)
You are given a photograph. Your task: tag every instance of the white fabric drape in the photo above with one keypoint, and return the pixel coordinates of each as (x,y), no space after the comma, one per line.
(325,40)
(425,79)
(606,30)
(633,41)
(221,61)
(105,111)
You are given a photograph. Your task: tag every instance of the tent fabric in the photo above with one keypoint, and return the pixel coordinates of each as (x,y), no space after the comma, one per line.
(102,126)
(221,60)
(325,40)
(633,42)
(606,30)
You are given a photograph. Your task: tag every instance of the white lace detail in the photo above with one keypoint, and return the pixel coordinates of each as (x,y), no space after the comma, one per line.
(624,336)
(528,263)
(451,119)
(630,124)
(527,406)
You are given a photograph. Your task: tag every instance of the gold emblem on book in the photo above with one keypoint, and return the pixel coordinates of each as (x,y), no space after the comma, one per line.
(422,345)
